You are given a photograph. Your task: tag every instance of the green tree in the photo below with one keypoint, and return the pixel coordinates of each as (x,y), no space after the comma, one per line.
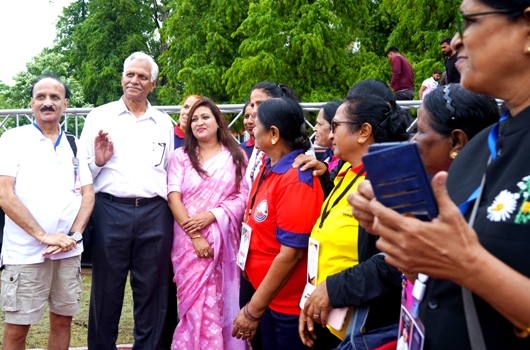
(202,47)
(418,33)
(305,44)
(111,31)
(18,96)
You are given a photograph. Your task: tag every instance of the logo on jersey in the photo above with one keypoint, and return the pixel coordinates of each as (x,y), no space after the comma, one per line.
(262,210)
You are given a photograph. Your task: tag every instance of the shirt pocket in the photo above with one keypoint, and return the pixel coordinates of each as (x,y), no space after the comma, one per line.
(10,281)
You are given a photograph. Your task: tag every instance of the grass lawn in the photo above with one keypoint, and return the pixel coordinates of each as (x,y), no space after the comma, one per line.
(38,333)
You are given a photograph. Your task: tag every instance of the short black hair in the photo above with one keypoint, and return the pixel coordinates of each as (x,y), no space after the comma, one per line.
(446,40)
(437,71)
(52,75)
(393,49)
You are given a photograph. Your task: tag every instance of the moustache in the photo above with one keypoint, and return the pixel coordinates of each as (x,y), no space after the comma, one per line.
(47,109)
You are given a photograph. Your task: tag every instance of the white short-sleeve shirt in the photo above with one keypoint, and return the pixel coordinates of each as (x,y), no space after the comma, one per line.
(45,184)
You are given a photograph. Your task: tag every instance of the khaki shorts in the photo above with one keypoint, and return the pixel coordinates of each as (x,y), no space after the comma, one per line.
(27,288)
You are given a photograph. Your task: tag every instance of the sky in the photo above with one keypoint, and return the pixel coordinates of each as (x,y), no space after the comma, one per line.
(26,27)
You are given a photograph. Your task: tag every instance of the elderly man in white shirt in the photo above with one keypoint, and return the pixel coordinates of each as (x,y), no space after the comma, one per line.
(128,144)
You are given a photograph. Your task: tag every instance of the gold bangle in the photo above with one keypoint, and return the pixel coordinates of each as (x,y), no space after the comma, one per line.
(198,236)
(521,333)
(43,238)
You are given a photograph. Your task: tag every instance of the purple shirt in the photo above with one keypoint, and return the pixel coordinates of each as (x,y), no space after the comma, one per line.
(402,74)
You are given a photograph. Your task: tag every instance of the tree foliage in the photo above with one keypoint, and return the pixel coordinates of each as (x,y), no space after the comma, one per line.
(18,96)
(201,47)
(305,44)
(222,48)
(111,31)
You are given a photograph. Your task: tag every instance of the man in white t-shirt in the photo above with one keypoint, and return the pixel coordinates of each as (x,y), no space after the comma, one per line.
(430,84)
(47,195)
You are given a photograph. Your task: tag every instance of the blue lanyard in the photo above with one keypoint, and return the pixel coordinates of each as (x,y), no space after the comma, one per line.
(492,144)
(58,139)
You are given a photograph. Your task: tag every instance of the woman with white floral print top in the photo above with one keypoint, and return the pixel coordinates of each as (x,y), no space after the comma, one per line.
(491,258)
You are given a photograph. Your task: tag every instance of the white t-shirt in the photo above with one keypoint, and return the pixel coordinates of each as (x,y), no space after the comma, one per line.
(45,185)
(431,84)
(142,150)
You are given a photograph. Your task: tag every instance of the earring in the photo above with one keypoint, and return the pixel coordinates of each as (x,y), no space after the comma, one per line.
(453,154)
(360,141)
(273,141)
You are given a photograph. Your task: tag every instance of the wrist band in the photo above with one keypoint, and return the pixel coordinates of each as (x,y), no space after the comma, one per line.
(43,238)
(198,236)
(248,315)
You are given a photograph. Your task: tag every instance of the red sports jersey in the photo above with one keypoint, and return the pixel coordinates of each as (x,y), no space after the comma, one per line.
(285,206)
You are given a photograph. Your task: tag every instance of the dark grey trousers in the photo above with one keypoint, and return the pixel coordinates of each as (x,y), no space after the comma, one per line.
(136,240)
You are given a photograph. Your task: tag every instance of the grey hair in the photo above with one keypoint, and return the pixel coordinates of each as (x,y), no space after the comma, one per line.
(141,56)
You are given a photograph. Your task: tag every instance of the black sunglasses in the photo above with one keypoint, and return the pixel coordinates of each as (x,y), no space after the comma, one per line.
(336,123)
(462,24)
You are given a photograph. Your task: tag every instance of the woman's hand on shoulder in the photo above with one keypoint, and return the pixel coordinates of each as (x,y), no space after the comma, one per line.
(309,162)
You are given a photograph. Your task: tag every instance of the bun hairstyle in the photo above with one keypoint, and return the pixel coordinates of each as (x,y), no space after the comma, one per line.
(288,116)
(453,107)
(381,89)
(276,90)
(387,124)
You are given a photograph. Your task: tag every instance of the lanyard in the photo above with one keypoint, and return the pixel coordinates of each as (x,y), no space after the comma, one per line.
(58,139)
(325,212)
(253,199)
(259,160)
(492,144)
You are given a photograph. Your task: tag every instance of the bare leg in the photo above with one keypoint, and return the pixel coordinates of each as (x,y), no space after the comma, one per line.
(15,336)
(60,326)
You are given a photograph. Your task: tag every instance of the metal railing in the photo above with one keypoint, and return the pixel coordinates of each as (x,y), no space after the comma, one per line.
(10,118)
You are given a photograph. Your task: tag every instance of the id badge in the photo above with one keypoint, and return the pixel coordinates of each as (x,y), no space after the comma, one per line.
(411,330)
(77,183)
(244,245)
(312,270)
(411,334)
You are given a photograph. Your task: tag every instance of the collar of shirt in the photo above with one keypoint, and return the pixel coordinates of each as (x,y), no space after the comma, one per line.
(122,108)
(286,163)
(178,131)
(355,170)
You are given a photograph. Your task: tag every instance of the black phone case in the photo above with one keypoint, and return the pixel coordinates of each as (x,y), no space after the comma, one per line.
(399,179)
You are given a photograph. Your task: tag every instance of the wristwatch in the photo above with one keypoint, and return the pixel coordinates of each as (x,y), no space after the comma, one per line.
(77,236)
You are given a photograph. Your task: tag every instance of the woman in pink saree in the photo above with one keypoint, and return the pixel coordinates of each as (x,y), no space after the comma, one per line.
(207,195)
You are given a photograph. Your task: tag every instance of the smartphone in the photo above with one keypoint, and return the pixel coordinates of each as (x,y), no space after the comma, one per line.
(399,179)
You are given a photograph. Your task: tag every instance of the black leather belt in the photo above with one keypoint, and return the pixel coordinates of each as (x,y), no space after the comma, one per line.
(137,202)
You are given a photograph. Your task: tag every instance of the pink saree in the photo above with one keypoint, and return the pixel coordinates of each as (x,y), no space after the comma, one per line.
(207,289)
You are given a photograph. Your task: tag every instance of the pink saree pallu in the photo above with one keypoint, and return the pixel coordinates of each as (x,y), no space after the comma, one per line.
(207,288)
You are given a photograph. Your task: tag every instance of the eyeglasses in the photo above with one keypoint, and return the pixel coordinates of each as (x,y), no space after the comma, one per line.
(336,123)
(462,24)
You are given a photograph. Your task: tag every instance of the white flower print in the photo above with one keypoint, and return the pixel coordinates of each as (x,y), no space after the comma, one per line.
(502,207)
